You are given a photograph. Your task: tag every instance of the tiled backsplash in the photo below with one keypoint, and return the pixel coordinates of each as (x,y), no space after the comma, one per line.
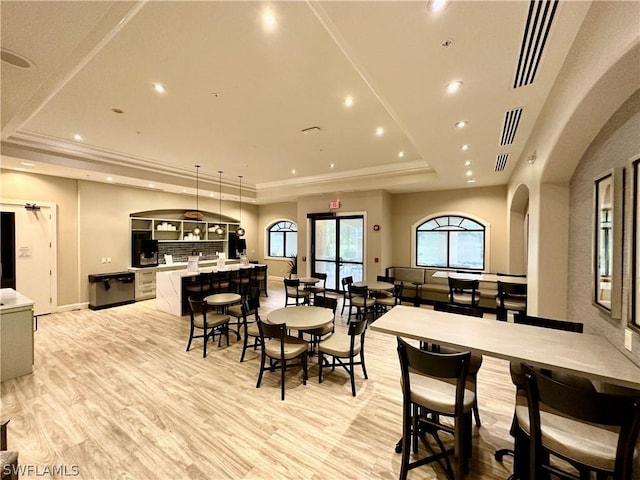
(181,250)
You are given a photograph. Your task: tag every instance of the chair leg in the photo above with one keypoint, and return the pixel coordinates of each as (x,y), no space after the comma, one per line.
(353,380)
(364,368)
(262,359)
(190,338)
(282,370)
(304,368)
(406,440)
(320,362)
(476,411)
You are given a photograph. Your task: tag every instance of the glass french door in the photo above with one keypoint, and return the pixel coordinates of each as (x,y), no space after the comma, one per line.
(337,248)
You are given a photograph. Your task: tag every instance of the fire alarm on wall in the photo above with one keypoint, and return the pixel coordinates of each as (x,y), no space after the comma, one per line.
(376,228)
(334,204)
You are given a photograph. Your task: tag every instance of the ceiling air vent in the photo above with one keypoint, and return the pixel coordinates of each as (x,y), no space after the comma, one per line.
(510,127)
(501,162)
(536,32)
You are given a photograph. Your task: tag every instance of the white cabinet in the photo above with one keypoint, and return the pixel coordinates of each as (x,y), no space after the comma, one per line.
(145,284)
(181,230)
(16,334)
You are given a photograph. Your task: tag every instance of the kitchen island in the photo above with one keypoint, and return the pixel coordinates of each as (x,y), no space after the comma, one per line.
(170,295)
(16,334)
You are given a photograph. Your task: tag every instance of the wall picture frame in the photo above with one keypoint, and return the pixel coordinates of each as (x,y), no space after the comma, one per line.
(608,225)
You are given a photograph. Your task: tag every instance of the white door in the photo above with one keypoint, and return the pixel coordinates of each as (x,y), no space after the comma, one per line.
(34,254)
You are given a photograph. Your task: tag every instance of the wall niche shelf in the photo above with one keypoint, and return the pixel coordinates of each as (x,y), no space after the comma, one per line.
(171,226)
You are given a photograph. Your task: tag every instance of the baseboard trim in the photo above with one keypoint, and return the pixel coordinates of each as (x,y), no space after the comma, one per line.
(72,306)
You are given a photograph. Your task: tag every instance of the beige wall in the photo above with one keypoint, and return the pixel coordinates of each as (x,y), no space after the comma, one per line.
(487,203)
(63,192)
(268,214)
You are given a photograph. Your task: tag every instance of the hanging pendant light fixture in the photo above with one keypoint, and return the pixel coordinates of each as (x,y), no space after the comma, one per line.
(197,231)
(240,231)
(219,228)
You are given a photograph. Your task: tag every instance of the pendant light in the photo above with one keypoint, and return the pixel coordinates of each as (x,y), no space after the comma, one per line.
(219,228)
(240,231)
(197,231)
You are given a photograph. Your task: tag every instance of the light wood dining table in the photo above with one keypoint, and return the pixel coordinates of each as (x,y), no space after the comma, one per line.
(589,356)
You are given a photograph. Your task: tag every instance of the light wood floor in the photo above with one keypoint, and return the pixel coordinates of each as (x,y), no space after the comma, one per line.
(115,393)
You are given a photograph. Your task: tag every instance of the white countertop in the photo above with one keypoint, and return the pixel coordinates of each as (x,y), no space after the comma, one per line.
(9,299)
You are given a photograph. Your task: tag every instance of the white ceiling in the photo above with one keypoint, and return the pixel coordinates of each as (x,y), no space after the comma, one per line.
(238,96)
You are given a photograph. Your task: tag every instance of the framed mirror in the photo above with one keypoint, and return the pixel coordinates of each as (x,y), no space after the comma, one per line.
(634,317)
(607,268)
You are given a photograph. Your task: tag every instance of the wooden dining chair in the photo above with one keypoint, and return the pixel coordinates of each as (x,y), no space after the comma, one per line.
(211,324)
(320,289)
(346,282)
(360,299)
(592,431)
(434,386)
(8,458)
(318,333)
(280,348)
(294,293)
(344,348)
(250,317)
(510,297)
(464,292)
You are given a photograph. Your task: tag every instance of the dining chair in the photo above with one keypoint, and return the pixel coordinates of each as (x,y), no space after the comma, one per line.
(464,292)
(592,431)
(360,299)
(520,450)
(260,277)
(8,458)
(383,293)
(294,292)
(318,289)
(250,318)
(511,296)
(387,302)
(344,348)
(211,324)
(221,281)
(200,286)
(240,280)
(280,348)
(346,281)
(317,333)
(235,311)
(476,358)
(434,385)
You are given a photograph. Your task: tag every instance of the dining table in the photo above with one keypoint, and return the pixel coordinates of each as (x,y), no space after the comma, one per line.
(301,317)
(222,301)
(375,286)
(584,355)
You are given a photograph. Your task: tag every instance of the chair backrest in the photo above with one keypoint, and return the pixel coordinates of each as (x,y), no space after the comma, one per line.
(397,290)
(382,278)
(272,330)
(326,302)
(321,276)
(519,275)
(220,280)
(356,327)
(459,286)
(197,306)
(612,410)
(439,365)
(565,325)
(506,289)
(250,306)
(458,309)
(355,291)
(346,281)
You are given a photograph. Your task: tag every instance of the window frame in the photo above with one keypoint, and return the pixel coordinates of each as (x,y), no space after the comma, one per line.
(268,232)
(465,216)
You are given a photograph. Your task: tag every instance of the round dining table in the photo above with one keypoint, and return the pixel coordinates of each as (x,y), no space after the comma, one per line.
(375,286)
(223,301)
(301,318)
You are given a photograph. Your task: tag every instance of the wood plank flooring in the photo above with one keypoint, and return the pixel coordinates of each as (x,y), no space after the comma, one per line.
(114,393)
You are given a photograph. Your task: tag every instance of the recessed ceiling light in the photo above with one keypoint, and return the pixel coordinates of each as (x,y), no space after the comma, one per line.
(109,179)
(20,169)
(78,137)
(464,148)
(28,164)
(461,124)
(454,86)
(400,154)
(469,173)
(348,101)
(467,163)
(471,180)
(151,185)
(379,131)
(268,20)
(119,111)
(211,194)
(437,6)
(293,171)
(158,87)
(332,165)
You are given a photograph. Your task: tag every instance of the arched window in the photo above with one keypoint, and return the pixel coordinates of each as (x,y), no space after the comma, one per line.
(283,239)
(450,241)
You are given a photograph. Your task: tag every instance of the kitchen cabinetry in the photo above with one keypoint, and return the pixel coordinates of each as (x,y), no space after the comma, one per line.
(181,230)
(16,334)
(145,285)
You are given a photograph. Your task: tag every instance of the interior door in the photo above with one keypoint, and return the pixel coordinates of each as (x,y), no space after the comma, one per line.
(337,248)
(33,254)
